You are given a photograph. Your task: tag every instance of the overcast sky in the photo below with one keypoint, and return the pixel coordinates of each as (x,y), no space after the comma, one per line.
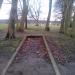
(5,10)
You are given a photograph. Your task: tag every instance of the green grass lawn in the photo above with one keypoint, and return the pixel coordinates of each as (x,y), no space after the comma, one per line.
(3,26)
(8,47)
(33,27)
(42,27)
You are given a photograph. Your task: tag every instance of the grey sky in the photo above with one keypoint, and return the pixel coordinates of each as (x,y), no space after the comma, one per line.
(5,10)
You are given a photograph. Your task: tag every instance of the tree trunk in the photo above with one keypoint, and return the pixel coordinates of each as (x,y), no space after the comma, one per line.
(23,23)
(68,11)
(17,21)
(11,28)
(1,1)
(62,26)
(21,27)
(66,15)
(49,15)
(26,13)
(63,17)
(26,22)
(73,27)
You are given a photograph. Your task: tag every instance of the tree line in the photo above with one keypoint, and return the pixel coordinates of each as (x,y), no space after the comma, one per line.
(23,21)
(64,8)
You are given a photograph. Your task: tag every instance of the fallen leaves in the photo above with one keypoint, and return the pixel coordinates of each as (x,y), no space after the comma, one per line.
(34,47)
(56,51)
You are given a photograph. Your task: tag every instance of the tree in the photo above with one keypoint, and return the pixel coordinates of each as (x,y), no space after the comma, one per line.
(68,13)
(65,7)
(1,1)
(12,20)
(49,15)
(73,27)
(73,22)
(63,11)
(60,11)
(35,10)
(24,16)
(18,14)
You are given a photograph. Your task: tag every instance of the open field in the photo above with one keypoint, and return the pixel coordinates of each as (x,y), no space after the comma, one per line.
(34,27)
(42,27)
(3,26)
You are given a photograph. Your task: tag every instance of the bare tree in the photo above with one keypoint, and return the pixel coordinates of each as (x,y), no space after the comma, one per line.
(68,12)
(12,20)
(59,11)
(35,10)
(63,12)
(18,14)
(1,1)
(65,7)
(23,23)
(49,15)
(73,27)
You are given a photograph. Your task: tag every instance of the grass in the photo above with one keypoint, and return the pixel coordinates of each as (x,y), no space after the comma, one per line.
(33,27)
(7,47)
(42,27)
(3,26)
(67,44)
